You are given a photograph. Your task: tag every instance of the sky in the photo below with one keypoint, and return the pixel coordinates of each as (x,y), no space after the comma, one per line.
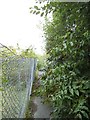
(17,25)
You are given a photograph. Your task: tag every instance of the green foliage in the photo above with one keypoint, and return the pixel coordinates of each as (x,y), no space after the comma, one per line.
(28,53)
(41,61)
(67,78)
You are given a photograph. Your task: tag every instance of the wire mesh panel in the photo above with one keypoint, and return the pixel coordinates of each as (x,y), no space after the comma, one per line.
(0,88)
(17,79)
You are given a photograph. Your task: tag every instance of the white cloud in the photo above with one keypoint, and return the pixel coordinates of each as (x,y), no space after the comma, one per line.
(18,25)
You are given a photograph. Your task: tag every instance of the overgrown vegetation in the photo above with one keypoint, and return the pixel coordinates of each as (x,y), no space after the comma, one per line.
(67,78)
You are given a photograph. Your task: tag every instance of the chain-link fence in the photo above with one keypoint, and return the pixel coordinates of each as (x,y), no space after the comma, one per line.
(17,79)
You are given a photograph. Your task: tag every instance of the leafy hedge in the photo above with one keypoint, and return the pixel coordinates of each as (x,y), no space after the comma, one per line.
(67,78)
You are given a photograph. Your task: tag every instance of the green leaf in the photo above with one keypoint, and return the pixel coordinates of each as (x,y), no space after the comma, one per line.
(31,11)
(79,116)
(84,114)
(68,97)
(4,81)
(62,92)
(30,8)
(71,90)
(42,14)
(44,7)
(85,108)
(36,7)
(65,91)
(76,92)
(37,12)
(1,89)
(34,12)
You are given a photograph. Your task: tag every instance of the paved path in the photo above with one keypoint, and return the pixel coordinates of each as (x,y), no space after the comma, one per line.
(40,109)
(43,110)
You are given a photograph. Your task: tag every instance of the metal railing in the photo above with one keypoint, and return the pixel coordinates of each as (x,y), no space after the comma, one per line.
(17,79)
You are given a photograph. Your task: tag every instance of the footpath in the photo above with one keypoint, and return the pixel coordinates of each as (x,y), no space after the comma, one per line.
(37,106)
(43,110)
